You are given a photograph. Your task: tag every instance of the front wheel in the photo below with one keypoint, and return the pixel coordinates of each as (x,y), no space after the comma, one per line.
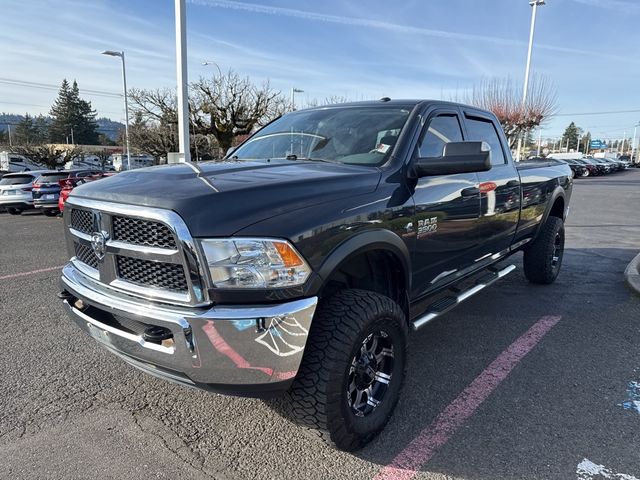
(352,370)
(586,172)
(542,260)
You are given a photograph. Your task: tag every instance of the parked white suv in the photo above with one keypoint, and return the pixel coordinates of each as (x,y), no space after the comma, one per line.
(15,191)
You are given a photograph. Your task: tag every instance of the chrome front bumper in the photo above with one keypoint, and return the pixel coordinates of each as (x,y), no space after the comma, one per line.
(242,350)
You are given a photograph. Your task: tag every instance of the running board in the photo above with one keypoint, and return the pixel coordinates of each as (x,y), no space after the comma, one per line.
(445,304)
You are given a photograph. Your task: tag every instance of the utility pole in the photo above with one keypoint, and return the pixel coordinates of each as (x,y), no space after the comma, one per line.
(539,142)
(9,127)
(183,87)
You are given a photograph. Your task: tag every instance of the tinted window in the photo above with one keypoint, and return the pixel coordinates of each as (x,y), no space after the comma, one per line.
(442,130)
(52,177)
(16,180)
(480,130)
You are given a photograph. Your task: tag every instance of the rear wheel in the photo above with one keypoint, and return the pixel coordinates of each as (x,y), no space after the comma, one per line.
(14,211)
(352,370)
(543,259)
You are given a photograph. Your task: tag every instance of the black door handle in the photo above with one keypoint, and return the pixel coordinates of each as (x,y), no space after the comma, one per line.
(513,183)
(470,191)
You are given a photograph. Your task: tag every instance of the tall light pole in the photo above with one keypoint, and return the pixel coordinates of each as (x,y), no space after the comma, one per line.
(294,90)
(183,87)
(534,4)
(113,53)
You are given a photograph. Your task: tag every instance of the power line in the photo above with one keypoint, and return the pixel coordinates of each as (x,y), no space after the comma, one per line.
(49,86)
(596,113)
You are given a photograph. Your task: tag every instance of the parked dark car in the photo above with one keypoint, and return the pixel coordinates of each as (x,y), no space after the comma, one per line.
(46,189)
(578,169)
(299,264)
(616,164)
(594,168)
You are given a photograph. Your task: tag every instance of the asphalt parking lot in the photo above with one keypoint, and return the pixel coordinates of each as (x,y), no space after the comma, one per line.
(568,408)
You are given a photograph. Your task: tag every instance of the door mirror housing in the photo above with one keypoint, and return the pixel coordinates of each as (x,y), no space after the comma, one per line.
(457,157)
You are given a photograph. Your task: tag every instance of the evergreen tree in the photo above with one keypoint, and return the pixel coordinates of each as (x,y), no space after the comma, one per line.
(73,118)
(26,131)
(572,133)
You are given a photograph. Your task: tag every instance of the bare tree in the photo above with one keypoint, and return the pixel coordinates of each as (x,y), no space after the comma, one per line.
(228,106)
(503,97)
(154,129)
(331,100)
(50,155)
(220,109)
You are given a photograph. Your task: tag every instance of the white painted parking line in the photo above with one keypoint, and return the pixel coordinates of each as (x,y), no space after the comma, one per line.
(587,470)
(32,272)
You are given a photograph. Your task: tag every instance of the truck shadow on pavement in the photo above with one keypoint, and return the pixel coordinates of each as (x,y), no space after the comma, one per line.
(557,405)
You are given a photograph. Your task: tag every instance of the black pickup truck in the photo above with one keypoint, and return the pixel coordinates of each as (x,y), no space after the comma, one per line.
(298,265)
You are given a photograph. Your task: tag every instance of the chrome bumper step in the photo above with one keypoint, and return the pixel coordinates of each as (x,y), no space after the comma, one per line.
(444,304)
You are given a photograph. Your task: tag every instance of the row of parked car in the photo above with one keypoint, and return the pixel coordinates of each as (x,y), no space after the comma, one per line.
(590,166)
(46,190)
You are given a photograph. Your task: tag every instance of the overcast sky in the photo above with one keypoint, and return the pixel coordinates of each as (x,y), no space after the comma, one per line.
(356,49)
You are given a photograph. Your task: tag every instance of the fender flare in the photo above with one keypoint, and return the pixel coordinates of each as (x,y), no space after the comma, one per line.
(558,192)
(366,241)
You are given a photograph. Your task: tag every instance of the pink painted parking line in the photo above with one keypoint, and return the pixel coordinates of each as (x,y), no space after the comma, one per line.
(408,462)
(32,272)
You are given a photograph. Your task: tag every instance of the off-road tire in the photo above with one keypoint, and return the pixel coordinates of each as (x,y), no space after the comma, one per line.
(318,398)
(543,259)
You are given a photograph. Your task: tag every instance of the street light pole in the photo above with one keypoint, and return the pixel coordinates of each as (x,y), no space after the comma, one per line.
(534,4)
(183,87)
(293,96)
(113,53)
(206,63)
(634,148)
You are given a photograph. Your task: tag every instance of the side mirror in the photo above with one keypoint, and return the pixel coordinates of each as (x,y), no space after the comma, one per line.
(457,157)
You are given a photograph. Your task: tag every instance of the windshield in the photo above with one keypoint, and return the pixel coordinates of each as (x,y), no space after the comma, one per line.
(354,135)
(16,180)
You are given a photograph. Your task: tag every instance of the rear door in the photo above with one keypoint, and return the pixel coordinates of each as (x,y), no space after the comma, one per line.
(499,186)
(447,208)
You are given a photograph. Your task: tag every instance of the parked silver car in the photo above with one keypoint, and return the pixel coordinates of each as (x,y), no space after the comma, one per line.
(15,191)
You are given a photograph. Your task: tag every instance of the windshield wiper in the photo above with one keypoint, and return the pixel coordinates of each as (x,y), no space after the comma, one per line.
(293,156)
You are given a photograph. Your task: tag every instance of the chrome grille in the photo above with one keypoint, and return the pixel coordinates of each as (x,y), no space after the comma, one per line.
(149,252)
(143,232)
(168,276)
(82,220)
(85,255)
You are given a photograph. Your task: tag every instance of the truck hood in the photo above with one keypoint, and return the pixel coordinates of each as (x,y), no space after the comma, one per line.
(220,198)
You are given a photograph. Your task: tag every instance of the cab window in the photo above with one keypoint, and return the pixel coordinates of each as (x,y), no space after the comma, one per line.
(442,130)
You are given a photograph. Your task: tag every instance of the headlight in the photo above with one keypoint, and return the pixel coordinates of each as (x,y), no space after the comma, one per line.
(254,263)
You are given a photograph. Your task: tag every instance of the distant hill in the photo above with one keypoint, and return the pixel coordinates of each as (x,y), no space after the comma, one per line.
(105,125)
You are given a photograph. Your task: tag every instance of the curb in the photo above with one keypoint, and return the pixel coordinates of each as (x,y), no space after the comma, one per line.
(632,274)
